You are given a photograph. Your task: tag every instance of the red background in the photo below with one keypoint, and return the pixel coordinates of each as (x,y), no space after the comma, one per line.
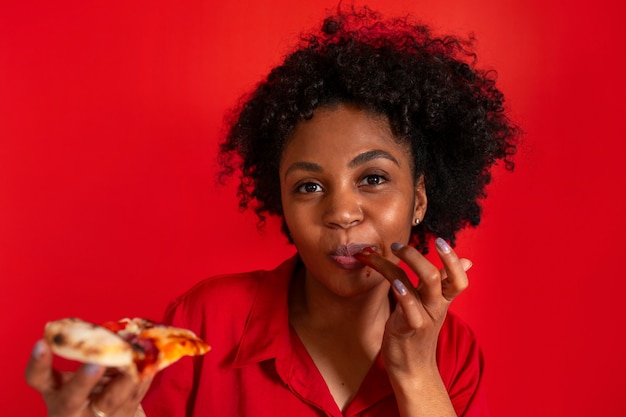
(109,116)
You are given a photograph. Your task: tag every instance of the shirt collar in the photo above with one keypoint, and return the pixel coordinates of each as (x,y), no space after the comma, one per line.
(266,334)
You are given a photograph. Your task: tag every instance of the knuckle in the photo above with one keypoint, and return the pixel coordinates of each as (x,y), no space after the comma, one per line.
(107,403)
(431,276)
(70,400)
(409,304)
(461,284)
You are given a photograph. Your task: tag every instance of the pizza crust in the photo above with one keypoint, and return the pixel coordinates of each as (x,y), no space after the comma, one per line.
(79,340)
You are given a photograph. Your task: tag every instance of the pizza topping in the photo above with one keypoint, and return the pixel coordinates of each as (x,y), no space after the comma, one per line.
(114,326)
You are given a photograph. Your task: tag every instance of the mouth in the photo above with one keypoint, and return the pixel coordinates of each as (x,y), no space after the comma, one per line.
(343,255)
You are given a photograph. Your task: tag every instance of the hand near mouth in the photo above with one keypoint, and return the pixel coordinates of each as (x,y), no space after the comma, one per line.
(410,339)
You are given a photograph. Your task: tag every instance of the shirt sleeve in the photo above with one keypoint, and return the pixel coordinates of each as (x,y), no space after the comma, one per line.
(170,394)
(461,365)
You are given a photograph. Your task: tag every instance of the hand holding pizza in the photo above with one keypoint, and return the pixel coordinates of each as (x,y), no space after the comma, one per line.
(70,394)
(132,350)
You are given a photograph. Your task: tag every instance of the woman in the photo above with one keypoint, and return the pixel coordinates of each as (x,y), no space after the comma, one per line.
(370,140)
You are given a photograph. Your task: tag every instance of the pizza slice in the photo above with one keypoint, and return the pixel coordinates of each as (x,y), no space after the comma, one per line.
(136,346)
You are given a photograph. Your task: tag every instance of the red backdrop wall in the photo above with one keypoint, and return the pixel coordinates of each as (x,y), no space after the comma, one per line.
(109,117)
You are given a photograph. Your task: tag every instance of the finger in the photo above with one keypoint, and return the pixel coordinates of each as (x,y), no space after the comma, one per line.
(465,263)
(385,267)
(429,287)
(134,403)
(409,313)
(109,375)
(76,391)
(403,290)
(455,280)
(38,372)
(124,392)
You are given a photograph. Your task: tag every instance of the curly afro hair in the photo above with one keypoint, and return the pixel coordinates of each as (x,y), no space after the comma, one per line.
(449,112)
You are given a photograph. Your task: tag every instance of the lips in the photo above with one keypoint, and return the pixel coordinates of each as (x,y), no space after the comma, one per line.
(343,255)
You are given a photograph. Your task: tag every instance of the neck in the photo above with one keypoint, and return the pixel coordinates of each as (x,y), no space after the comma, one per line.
(352,318)
(343,335)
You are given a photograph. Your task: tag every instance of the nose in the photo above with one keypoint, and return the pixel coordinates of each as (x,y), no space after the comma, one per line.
(343,209)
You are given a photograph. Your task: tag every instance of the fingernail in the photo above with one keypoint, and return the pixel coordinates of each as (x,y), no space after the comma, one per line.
(442,245)
(400,288)
(38,349)
(395,246)
(91,368)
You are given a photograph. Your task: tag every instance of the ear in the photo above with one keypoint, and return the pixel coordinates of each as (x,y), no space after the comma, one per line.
(421,201)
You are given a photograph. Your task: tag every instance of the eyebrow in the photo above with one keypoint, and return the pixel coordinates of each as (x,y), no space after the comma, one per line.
(358,160)
(303,166)
(371,155)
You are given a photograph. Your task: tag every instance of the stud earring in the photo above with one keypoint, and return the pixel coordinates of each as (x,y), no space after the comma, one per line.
(416,221)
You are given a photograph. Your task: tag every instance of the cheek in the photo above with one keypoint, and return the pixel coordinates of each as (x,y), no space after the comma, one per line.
(395,219)
(298,222)
(395,208)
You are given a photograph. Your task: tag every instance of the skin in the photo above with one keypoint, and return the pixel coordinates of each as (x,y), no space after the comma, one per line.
(68,394)
(346,184)
(345,180)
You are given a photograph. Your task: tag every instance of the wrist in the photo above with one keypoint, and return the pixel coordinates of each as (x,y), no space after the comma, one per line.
(427,379)
(423,395)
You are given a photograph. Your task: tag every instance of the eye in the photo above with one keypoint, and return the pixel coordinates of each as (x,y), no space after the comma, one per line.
(373,179)
(309,187)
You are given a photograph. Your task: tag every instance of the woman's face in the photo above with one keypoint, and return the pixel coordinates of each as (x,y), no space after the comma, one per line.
(346,183)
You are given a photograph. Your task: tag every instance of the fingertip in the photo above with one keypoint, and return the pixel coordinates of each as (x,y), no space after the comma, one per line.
(39,349)
(396,246)
(91,369)
(467,264)
(442,245)
(38,369)
(400,287)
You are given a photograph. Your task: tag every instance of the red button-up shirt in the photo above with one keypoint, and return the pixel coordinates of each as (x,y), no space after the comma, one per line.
(259,367)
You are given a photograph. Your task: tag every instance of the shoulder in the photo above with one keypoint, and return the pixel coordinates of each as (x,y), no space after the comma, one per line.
(222,300)
(230,290)
(455,330)
(459,356)
(220,290)
(461,366)
(226,300)
(457,346)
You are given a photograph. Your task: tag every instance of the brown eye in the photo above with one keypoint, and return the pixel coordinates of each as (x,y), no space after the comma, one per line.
(309,187)
(373,180)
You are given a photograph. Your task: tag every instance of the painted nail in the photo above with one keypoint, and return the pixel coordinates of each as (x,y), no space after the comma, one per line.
(395,246)
(91,368)
(38,349)
(442,245)
(399,286)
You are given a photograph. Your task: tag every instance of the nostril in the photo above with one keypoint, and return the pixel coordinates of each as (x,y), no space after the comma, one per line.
(344,221)
(343,208)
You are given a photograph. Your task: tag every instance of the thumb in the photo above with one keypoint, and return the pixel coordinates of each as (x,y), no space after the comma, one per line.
(38,372)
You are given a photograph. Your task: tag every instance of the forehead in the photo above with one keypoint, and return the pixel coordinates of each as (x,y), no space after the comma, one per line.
(342,130)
